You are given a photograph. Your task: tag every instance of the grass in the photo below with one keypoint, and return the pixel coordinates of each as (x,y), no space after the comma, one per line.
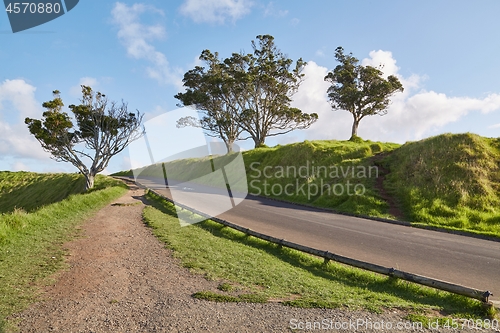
(22,193)
(242,298)
(31,240)
(262,269)
(333,174)
(449,181)
(29,191)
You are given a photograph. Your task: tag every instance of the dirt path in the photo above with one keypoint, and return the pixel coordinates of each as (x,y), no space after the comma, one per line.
(122,279)
(394,208)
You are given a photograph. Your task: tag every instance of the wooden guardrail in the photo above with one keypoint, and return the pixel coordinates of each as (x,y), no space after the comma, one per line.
(422,280)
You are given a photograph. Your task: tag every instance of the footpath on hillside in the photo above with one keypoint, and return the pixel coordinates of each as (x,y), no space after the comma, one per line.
(122,279)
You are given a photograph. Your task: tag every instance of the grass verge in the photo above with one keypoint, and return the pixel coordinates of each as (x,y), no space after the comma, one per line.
(31,250)
(259,268)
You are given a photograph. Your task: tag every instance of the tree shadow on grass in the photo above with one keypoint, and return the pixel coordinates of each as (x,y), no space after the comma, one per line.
(339,273)
(45,190)
(40,192)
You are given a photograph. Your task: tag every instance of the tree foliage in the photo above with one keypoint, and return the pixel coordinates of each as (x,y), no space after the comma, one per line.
(361,90)
(213,91)
(246,93)
(102,130)
(271,79)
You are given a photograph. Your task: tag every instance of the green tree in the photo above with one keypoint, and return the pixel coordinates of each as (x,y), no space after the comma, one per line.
(246,93)
(361,90)
(268,84)
(214,93)
(102,130)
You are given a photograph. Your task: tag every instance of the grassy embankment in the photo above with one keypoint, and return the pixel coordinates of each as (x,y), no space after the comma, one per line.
(38,213)
(450,181)
(253,270)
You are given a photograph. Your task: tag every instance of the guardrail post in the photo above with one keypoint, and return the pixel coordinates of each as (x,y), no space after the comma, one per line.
(486,295)
(327,259)
(280,243)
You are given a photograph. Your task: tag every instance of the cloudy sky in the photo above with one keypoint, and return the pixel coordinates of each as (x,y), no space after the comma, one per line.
(446,53)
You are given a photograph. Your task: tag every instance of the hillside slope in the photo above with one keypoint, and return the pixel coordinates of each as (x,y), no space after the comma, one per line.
(28,190)
(24,194)
(450,180)
(332,174)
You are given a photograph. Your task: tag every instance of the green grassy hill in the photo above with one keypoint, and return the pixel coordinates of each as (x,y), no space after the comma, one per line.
(28,190)
(449,181)
(24,193)
(332,174)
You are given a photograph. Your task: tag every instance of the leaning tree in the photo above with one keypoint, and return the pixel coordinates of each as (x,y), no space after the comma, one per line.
(102,130)
(361,90)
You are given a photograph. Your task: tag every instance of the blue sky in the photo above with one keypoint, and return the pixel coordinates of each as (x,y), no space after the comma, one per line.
(446,53)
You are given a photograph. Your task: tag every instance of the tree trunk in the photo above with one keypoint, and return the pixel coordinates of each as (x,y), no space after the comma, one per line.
(89,181)
(354,132)
(229,146)
(259,142)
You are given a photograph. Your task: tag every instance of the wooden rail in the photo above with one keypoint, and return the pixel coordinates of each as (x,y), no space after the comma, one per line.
(422,280)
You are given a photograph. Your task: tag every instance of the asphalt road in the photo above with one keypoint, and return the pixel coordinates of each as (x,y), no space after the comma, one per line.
(458,259)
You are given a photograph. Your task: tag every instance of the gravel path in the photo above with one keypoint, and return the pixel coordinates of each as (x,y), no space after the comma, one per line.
(122,279)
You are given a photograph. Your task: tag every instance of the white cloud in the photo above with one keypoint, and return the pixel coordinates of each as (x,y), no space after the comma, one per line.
(17,101)
(382,59)
(76,91)
(19,150)
(312,97)
(22,97)
(137,38)
(16,141)
(320,53)
(295,21)
(271,10)
(494,126)
(412,115)
(420,114)
(385,60)
(215,11)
